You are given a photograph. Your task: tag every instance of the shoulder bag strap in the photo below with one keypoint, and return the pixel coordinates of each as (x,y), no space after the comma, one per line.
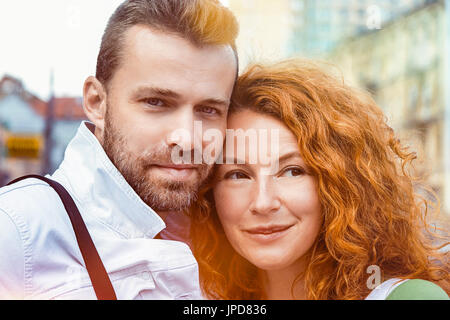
(97,273)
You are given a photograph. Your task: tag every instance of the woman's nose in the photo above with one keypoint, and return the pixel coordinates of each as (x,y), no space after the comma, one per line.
(265,198)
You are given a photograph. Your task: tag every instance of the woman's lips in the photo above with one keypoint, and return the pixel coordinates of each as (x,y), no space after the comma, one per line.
(267,233)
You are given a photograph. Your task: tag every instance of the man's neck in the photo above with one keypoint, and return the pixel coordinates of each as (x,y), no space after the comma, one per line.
(165,214)
(177,226)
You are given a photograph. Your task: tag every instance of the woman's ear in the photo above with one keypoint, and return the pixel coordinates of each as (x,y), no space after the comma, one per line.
(94,103)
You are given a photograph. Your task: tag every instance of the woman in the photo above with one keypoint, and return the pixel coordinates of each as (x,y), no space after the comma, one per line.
(339,206)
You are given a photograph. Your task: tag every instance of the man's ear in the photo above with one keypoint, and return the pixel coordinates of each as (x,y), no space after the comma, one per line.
(94,104)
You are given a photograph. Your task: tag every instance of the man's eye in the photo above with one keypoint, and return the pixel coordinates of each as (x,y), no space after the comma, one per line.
(236,175)
(154,102)
(293,172)
(209,110)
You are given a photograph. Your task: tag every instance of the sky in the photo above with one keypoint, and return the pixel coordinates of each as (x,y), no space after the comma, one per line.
(60,35)
(37,37)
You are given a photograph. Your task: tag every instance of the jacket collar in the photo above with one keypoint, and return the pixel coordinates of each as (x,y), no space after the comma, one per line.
(100,189)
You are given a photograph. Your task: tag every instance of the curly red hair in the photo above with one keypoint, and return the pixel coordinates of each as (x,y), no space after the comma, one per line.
(372,211)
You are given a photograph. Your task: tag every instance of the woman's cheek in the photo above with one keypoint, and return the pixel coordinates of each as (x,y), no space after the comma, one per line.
(300,197)
(231,202)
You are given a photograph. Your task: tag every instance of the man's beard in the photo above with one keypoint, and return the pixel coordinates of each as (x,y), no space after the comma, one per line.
(158,193)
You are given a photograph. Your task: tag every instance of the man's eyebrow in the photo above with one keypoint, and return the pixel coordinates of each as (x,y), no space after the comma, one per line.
(217,102)
(148,91)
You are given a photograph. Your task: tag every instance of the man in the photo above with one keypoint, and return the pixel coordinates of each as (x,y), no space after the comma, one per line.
(162,65)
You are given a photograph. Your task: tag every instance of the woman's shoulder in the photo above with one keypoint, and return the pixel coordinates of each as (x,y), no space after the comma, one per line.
(408,289)
(417,289)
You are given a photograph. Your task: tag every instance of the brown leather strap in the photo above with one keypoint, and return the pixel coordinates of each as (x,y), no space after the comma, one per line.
(97,273)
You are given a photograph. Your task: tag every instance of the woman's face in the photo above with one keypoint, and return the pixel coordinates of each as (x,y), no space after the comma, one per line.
(271,217)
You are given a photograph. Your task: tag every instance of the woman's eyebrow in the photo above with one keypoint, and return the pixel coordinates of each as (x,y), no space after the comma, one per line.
(290,155)
(285,157)
(235,161)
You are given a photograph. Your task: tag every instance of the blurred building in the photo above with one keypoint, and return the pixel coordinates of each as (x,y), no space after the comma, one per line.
(318,25)
(276,29)
(22,126)
(265,27)
(403,64)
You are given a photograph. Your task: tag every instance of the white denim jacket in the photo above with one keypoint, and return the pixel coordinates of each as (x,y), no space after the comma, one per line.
(39,255)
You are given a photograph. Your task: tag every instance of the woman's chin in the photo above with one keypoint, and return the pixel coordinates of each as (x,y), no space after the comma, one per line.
(270,263)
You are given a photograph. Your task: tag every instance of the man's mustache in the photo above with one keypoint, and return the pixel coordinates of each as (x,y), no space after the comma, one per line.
(164,156)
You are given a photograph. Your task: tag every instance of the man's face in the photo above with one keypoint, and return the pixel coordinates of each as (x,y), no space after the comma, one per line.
(163,84)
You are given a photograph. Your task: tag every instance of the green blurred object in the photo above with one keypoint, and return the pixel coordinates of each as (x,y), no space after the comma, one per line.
(418,289)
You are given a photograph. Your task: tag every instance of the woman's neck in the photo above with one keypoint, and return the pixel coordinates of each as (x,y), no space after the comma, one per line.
(278,284)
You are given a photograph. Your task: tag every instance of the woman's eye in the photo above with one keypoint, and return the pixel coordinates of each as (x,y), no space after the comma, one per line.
(236,175)
(154,102)
(293,172)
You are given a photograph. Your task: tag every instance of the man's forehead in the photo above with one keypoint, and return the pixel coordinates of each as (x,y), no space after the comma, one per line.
(153,58)
(145,42)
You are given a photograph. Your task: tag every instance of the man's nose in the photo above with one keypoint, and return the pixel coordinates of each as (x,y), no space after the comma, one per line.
(265,198)
(184,132)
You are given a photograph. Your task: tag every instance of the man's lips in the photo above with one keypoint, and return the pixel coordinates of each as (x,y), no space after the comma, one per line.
(176,166)
(178,171)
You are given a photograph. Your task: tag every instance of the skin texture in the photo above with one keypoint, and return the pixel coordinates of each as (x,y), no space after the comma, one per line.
(247,197)
(163,84)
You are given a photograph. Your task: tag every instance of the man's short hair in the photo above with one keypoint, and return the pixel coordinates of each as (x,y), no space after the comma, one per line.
(202,22)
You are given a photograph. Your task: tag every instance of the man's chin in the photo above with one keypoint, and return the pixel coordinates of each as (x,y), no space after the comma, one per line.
(165,199)
(164,192)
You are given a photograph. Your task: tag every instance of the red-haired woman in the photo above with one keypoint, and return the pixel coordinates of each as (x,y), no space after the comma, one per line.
(338,207)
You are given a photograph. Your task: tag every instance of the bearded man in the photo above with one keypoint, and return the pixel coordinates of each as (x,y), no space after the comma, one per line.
(162,66)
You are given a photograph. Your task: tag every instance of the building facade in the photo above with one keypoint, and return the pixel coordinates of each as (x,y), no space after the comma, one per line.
(276,29)
(265,28)
(319,25)
(22,130)
(403,65)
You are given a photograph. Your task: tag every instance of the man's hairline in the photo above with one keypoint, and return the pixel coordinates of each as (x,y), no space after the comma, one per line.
(166,31)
